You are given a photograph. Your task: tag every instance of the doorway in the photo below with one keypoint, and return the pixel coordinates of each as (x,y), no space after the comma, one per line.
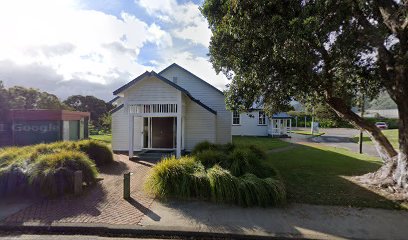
(159,132)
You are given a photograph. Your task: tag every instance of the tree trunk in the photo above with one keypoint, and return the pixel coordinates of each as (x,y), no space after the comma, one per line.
(401,171)
(383,146)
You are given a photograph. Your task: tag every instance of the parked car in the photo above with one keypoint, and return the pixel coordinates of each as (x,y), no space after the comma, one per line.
(381,125)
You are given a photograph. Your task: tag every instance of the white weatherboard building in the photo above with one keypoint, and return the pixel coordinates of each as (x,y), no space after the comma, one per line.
(256,123)
(175,110)
(170,110)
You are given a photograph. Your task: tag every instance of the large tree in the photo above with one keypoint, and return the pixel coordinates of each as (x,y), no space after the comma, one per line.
(29,98)
(97,107)
(331,51)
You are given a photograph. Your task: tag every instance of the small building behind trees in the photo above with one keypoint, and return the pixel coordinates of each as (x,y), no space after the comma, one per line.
(26,127)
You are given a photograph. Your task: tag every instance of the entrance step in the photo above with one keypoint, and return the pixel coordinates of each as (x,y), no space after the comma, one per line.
(153,155)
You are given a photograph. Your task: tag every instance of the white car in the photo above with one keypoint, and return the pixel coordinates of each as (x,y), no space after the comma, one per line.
(381,125)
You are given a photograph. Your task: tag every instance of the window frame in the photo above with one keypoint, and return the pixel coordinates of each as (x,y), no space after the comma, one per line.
(259,118)
(236,117)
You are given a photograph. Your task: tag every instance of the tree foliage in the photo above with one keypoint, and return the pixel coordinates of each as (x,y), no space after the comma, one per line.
(97,107)
(326,51)
(18,97)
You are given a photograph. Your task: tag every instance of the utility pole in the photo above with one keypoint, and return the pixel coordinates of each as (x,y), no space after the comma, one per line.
(361,131)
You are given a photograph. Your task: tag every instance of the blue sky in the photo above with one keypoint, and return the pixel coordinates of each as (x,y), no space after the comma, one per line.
(69,47)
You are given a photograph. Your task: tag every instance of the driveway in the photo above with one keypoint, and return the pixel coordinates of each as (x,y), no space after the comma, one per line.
(337,137)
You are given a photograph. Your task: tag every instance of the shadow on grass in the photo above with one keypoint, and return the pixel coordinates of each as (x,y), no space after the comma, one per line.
(317,175)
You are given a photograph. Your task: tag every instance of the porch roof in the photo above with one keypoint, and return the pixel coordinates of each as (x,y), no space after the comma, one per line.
(281,115)
(154,74)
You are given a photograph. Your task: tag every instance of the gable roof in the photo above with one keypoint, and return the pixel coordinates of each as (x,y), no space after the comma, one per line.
(113,100)
(195,76)
(154,74)
(117,108)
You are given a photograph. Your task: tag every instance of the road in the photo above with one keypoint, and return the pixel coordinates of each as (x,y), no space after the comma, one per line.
(66,237)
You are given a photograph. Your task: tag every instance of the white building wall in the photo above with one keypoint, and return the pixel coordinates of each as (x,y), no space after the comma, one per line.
(151,90)
(199,125)
(120,131)
(207,95)
(249,125)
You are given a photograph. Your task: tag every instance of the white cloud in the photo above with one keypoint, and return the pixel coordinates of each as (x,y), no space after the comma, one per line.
(188,22)
(76,43)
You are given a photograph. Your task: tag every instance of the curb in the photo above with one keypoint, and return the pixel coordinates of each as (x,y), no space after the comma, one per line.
(134,231)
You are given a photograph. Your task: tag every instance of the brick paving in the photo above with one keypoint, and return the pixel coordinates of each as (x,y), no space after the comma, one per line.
(102,203)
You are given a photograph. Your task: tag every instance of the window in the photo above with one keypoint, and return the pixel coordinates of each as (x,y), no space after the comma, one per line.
(261,118)
(236,118)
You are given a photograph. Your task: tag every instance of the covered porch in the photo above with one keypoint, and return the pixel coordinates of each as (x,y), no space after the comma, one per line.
(280,124)
(156,126)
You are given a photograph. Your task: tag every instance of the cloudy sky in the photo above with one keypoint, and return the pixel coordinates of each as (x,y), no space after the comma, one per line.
(91,47)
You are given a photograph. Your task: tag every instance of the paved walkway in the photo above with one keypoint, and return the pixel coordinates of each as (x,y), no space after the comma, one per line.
(103,203)
(296,220)
(103,206)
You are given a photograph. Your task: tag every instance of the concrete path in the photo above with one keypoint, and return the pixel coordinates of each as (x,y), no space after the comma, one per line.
(297,221)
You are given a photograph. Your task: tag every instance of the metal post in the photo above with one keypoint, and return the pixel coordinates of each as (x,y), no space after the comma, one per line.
(361,131)
(126,185)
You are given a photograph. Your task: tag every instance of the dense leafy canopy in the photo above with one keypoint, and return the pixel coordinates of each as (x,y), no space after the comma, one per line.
(277,50)
(97,107)
(27,98)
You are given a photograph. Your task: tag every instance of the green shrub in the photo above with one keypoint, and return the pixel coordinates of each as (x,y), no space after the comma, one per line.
(259,153)
(254,191)
(247,160)
(97,151)
(202,146)
(183,178)
(220,173)
(211,157)
(53,173)
(37,163)
(224,186)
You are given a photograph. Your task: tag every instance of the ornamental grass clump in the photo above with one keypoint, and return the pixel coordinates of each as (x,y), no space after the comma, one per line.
(47,169)
(180,178)
(254,191)
(210,157)
(53,173)
(219,173)
(224,186)
(97,151)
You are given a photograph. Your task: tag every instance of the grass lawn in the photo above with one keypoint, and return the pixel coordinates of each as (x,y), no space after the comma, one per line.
(265,143)
(308,133)
(391,134)
(107,138)
(314,174)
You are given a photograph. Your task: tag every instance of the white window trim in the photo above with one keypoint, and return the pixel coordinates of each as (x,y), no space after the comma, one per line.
(239,119)
(259,118)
